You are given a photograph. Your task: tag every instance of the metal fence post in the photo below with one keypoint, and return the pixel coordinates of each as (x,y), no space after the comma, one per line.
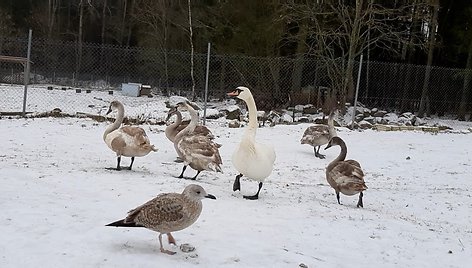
(357,91)
(206,85)
(27,70)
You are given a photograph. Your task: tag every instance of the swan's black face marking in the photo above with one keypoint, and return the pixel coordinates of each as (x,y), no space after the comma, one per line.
(171,112)
(113,105)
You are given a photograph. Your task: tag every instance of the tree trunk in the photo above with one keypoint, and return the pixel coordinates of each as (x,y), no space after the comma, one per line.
(52,11)
(103,21)
(165,26)
(431,45)
(349,82)
(297,71)
(223,76)
(466,86)
(274,67)
(79,39)
(408,51)
(68,16)
(191,48)
(123,21)
(128,39)
(102,34)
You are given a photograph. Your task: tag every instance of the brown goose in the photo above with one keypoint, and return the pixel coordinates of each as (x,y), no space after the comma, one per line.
(196,151)
(126,141)
(345,176)
(319,134)
(168,212)
(173,129)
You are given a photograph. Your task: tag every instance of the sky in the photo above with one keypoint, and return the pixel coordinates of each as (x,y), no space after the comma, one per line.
(57,196)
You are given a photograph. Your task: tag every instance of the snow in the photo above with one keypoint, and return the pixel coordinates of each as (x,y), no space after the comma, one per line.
(211,112)
(56,197)
(232,108)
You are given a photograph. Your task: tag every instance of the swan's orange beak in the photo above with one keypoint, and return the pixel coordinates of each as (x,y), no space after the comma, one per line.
(233,93)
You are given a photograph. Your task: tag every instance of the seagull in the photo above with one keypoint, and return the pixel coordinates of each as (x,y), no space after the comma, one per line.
(168,212)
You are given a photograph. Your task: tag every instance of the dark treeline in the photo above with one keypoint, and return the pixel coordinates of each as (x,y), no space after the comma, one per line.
(335,33)
(249,27)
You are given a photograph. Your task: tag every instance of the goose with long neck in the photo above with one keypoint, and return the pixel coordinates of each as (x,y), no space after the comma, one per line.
(345,176)
(251,159)
(174,128)
(319,134)
(197,151)
(126,141)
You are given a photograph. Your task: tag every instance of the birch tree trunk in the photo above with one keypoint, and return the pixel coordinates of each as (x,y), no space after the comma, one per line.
(123,21)
(191,48)
(79,38)
(432,43)
(103,21)
(52,11)
(348,87)
(128,39)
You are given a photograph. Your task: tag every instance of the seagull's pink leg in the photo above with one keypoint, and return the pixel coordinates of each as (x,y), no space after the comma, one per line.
(171,239)
(162,248)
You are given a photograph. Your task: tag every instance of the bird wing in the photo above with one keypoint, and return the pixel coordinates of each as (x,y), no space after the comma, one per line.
(197,146)
(315,131)
(137,133)
(164,208)
(204,131)
(349,176)
(353,162)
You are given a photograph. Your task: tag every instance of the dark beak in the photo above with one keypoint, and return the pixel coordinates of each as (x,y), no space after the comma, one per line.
(233,94)
(171,113)
(109,111)
(210,196)
(327,146)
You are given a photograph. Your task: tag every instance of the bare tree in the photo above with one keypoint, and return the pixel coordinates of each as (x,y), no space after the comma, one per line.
(80,38)
(83,4)
(104,21)
(53,6)
(6,24)
(123,21)
(466,86)
(432,27)
(192,50)
(155,15)
(339,31)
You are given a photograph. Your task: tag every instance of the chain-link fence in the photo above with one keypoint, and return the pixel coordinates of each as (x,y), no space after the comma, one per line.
(275,82)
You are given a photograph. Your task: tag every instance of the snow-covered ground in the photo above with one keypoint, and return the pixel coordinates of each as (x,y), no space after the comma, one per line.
(56,197)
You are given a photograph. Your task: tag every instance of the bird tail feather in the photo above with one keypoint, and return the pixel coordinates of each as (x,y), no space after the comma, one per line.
(122,223)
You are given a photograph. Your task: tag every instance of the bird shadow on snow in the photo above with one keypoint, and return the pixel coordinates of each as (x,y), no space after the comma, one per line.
(140,247)
(111,170)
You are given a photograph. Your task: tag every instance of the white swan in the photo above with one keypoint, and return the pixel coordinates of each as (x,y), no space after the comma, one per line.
(319,134)
(196,151)
(251,159)
(126,141)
